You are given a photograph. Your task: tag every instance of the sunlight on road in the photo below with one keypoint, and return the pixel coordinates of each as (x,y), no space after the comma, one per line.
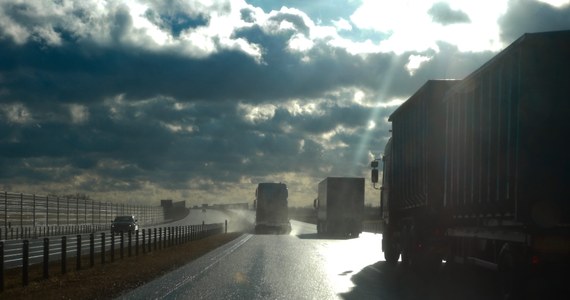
(346,258)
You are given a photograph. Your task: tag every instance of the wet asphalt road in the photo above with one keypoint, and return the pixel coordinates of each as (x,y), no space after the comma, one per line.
(302,265)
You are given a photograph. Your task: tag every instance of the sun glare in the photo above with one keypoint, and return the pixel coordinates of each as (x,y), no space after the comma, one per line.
(341,263)
(410,27)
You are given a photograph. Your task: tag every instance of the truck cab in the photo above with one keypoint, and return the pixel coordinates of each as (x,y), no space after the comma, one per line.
(271,208)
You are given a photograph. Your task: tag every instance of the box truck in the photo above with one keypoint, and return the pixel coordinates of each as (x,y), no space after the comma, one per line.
(340,206)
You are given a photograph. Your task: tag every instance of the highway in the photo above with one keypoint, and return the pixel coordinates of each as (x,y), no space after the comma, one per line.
(303,265)
(295,266)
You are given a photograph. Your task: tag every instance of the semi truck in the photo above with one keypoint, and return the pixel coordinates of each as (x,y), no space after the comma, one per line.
(476,170)
(271,208)
(340,206)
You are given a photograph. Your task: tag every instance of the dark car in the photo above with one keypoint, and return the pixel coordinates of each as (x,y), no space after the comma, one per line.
(124,224)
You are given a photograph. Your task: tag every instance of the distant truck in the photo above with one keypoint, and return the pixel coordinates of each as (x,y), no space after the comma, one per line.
(340,206)
(476,170)
(271,208)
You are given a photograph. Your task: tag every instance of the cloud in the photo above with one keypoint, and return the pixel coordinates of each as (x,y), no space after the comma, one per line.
(532,16)
(442,13)
(140,100)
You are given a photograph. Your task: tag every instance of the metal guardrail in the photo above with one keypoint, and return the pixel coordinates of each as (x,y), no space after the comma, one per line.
(107,247)
(31,215)
(372,226)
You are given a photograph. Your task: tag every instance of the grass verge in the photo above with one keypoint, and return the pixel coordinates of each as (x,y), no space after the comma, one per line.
(109,280)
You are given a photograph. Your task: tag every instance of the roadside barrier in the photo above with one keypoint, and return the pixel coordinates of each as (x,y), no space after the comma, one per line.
(30,216)
(372,226)
(167,237)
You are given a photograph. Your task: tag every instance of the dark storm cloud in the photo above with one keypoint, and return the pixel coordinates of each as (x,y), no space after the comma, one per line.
(65,74)
(442,13)
(120,115)
(128,140)
(450,63)
(175,21)
(525,16)
(79,71)
(90,73)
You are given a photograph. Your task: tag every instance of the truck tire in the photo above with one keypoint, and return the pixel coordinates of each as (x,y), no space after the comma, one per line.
(510,274)
(408,255)
(391,252)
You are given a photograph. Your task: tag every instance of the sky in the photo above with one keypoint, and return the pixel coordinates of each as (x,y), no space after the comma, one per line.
(199,101)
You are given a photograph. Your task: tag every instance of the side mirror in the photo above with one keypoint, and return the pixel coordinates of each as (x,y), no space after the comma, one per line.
(315,202)
(374,175)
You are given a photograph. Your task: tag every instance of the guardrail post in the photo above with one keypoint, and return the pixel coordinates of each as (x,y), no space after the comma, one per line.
(78,254)
(137,242)
(92,249)
(46,258)
(143,241)
(130,235)
(25,264)
(154,241)
(149,239)
(102,248)
(165,240)
(112,246)
(226,227)
(1,266)
(159,238)
(63,255)
(122,250)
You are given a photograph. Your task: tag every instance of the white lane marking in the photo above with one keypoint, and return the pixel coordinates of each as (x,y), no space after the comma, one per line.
(216,259)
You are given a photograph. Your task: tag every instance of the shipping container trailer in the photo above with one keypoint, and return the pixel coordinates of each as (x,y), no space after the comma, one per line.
(477,169)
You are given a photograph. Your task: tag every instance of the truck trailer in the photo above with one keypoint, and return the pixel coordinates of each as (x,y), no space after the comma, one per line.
(271,208)
(340,206)
(476,170)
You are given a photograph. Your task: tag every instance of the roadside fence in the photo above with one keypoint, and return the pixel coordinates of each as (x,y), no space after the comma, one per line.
(372,226)
(32,216)
(108,247)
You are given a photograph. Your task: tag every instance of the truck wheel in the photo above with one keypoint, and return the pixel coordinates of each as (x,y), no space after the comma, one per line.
(407,257)
(391,253)
(510,276)
(407,249)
